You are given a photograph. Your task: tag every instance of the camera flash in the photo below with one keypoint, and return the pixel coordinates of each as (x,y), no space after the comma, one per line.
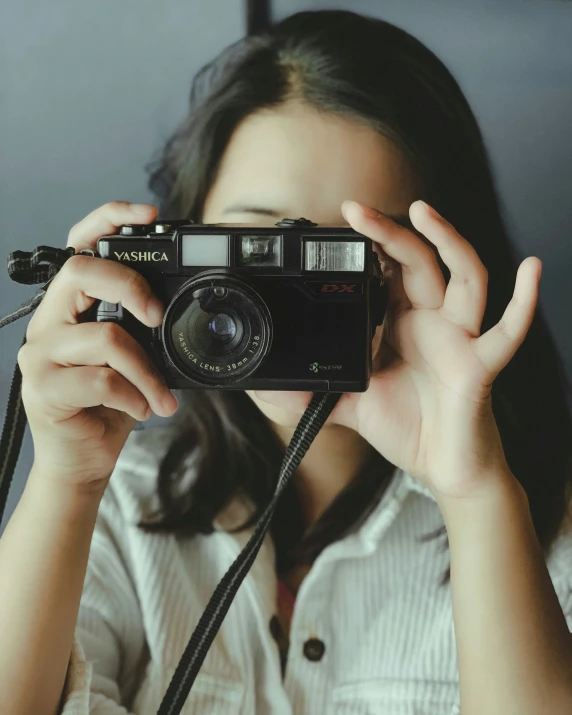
(334,256)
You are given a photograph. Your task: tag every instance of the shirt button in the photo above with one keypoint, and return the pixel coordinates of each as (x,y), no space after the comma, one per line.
(314,649)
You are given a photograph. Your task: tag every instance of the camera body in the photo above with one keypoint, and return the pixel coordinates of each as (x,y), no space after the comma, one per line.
(287,307)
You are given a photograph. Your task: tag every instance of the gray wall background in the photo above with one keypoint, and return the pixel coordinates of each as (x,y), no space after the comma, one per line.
(89,91)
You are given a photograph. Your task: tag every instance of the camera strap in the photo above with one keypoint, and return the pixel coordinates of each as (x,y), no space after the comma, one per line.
(312,420)
(42,264)
(27,267)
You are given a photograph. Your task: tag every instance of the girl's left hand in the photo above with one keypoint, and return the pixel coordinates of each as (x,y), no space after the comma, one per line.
(428,406)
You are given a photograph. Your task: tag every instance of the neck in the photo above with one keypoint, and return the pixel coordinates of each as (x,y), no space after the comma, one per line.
(334,458)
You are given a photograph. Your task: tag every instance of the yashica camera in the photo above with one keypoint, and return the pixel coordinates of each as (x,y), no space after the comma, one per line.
(287,307)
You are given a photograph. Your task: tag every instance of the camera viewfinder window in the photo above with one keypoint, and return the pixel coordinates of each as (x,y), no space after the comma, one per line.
(260,250)
(334,256)
(204,250)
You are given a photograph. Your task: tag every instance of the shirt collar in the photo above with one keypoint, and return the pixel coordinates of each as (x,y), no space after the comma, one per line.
(401,485)
(415,485)
(150,442)
(380,519)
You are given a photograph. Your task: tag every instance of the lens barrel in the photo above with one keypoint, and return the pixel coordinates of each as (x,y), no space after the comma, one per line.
(217,329)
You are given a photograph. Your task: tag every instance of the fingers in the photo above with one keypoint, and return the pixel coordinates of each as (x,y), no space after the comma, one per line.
(466,295)
(496,347)
(76,388)
(81,280)
(108,344)
(423,281)
(106,220)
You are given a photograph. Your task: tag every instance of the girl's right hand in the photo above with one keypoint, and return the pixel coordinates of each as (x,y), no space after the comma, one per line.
(85,385)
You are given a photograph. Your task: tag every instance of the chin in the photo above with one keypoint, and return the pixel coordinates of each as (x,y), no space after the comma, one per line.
(277,415)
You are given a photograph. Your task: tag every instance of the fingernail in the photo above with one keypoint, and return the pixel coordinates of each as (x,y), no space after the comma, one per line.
(369,212)
(366,210)
(345,205)
(140,208)
(429,209)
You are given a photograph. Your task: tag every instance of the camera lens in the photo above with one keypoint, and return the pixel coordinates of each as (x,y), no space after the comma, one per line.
(217,329)
(223,327)
(215,334)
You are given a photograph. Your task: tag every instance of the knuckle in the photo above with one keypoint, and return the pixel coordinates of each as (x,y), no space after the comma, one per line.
(33,364)
(479,278)
(104,381)
(33,398)
(116,212)
(39,390)
(72,233)
(31,330)
(503,329)
(74,267)
(112,334)
(134,280)
(115,205)
(139,401)
(23,357)
(138,286)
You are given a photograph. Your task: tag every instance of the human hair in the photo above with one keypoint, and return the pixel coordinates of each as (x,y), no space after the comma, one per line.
(370,71)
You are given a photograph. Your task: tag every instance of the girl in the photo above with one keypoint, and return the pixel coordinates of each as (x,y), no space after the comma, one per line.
(420,562)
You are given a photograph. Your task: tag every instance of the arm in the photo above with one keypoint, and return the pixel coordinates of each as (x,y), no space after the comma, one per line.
(430,413)
(46,567)
(43,558)
(514,646)
(84,387)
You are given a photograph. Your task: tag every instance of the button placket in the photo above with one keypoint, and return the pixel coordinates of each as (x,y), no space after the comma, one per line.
(309,632)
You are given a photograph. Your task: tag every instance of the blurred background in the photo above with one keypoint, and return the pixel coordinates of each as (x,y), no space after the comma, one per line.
(90,91)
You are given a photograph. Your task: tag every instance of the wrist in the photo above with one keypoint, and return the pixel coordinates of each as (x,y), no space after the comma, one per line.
(464,455)
(493,489)
(63,497)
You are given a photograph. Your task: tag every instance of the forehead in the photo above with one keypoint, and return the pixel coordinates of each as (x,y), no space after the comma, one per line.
(297,160)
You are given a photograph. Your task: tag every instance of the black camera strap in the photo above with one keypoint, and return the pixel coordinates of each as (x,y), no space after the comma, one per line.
(27,267)
(42,264)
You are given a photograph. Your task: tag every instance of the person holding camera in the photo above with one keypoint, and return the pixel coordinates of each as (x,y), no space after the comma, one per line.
(420,561)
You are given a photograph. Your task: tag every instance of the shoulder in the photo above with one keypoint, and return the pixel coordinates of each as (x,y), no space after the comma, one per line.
(132,489)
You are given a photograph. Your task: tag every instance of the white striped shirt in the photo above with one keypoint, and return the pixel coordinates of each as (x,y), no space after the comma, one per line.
(373,600)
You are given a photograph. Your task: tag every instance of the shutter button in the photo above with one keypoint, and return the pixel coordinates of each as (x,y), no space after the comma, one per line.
(314,649)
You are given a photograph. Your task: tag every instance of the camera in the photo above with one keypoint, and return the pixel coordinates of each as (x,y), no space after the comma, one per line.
(292,306)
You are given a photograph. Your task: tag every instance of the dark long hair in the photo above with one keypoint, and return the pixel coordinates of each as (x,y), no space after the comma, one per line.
(371,71)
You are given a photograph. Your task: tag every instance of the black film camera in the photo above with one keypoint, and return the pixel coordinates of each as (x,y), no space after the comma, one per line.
(289,307)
